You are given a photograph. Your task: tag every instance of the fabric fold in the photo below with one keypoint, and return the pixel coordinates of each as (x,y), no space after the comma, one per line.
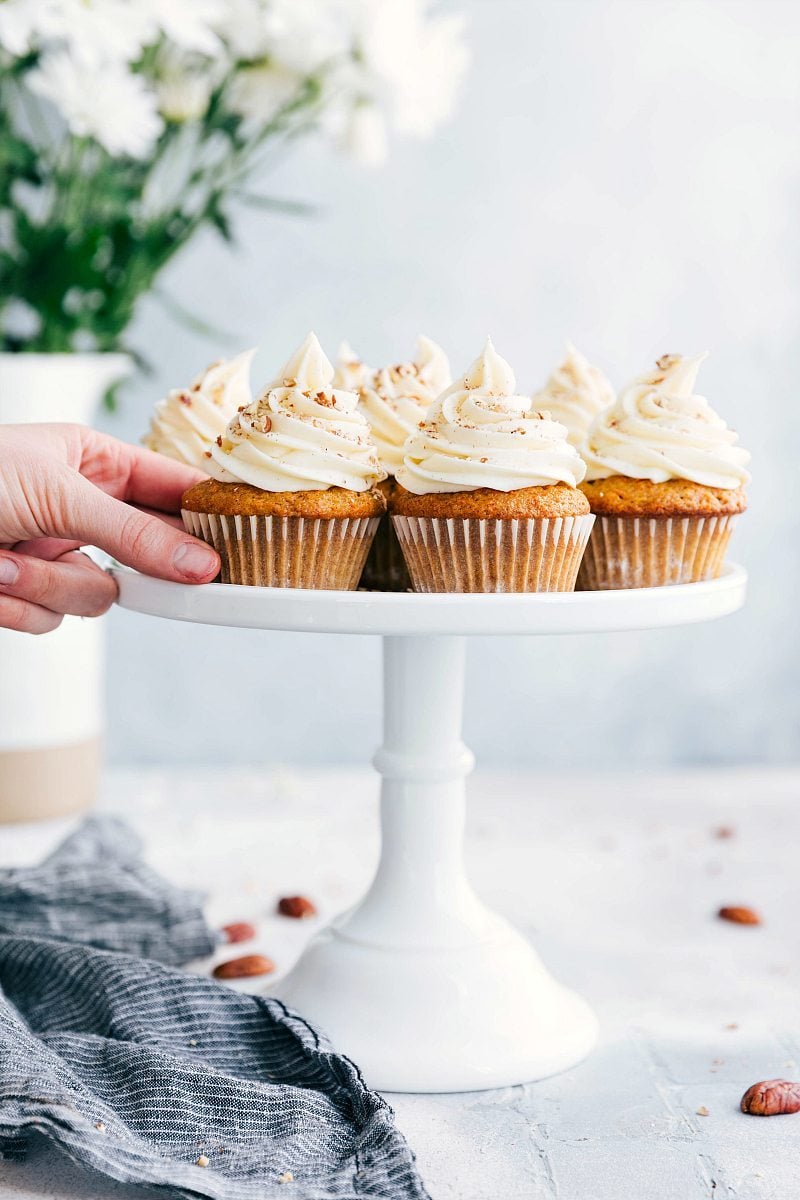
(159,1078)
(96,889)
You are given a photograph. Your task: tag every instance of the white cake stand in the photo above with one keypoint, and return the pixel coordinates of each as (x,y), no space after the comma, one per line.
(420,984)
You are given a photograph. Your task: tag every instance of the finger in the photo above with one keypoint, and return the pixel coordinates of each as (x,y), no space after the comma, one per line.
(145,542)
(47,548)
(135,474)
(73,584)
(52,548)
(171,519)
(24,617)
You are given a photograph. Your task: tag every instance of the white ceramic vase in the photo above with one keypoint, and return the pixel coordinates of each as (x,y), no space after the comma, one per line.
(51,687)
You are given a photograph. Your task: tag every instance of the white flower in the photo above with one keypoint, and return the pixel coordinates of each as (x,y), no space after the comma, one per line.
(183,97)
(364,136)
(97,31)
(183,88)
(243,27)
(93,31)
(18,25)
(307,34)
(258,93)
(184,81)
(189,24)
(300,35)
(109,104)
(415,61)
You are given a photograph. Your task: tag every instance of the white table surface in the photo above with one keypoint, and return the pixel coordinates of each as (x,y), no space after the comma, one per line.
(618,883)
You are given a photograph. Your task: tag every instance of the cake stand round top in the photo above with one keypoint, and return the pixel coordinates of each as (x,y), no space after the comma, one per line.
(412,614)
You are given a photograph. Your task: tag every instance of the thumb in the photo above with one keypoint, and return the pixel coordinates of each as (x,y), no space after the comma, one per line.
(134,538)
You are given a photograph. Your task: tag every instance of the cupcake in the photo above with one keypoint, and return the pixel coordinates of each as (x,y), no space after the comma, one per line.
(574,394)
(666,480)
(187,422)
(394,400)
(487,497)
(292,501)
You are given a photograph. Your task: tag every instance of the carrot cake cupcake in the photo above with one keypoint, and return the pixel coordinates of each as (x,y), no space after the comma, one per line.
(666,480)
(487,497)
(394,400)
(292,501)
(187,422)
(574,394)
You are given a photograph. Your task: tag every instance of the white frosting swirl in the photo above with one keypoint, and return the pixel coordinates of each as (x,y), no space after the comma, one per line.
(301,433)
(187,422)
(480,433)
(574,394)
(394,399)
(659,430)
(350,371)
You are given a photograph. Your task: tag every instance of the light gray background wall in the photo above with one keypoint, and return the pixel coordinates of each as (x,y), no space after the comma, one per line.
(622,174)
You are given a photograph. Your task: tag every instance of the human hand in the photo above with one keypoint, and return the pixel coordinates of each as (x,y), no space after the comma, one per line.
(65,486)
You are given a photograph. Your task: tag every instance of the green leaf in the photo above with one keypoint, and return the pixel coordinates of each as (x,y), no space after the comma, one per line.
(111,398)
(221,222)
(295,208)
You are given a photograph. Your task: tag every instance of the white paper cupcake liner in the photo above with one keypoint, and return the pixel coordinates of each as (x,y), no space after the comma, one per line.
(639,552)
(465,554)
(287,552)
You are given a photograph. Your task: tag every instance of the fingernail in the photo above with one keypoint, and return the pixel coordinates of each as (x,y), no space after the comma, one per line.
(194,561)
(9,571)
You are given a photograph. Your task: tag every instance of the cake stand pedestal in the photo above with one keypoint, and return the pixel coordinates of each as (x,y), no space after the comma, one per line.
(420,984)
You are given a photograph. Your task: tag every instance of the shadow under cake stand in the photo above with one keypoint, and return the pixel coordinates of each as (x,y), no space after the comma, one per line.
(421,984)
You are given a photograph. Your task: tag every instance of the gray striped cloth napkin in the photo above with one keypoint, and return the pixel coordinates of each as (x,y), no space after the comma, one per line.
(96,889)
(155,1077)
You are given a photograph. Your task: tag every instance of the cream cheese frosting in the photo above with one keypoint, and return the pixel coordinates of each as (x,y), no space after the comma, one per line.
(187,422)
(574,394)
(300,434)
(394,399)
(481,434)
(659,429)
(350,371)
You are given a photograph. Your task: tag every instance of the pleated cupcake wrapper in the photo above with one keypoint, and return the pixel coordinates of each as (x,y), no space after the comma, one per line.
(465,554)
(287,552)
(639,552)
(385,569)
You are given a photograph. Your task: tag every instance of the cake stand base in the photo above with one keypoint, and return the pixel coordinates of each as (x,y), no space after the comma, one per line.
(421,985)
(453,1019)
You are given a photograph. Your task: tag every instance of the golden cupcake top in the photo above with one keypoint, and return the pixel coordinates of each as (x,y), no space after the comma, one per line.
(302,433)
(621,496)
(481,433)
(555,500)
(188,420)
(244,500)
(574,394)
(394,399)
(659,429)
